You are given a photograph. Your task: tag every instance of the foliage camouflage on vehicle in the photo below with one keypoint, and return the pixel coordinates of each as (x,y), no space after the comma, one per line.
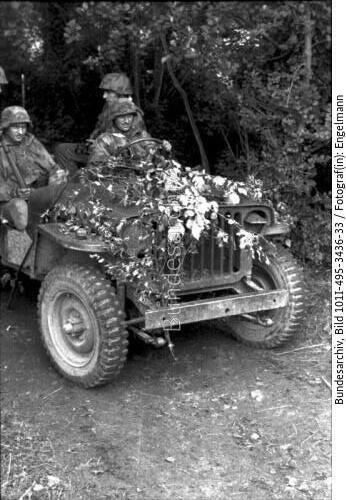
(180,202)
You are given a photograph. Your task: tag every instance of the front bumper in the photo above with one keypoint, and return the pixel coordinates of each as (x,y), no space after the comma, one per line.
(170,318)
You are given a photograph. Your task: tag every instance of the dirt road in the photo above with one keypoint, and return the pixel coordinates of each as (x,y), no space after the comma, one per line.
(223,421)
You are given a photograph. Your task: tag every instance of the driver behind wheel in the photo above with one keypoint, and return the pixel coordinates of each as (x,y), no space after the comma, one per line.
(122,132)
(30,180)
(116,88)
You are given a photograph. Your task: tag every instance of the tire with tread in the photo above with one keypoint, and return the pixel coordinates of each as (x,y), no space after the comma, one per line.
(98,354)
(282,271)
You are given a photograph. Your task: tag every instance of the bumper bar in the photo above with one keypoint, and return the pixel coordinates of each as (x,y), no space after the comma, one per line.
(170,318)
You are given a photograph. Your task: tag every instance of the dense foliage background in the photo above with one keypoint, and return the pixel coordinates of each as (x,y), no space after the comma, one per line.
(239,87)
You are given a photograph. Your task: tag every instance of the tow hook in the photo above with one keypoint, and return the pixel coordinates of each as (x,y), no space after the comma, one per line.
(148,339)
(249,317)
(250,283)
(257,320)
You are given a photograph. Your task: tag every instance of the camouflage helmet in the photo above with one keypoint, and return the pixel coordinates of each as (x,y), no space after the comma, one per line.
(3,79)
(122,109)
(12,115)
(117,82)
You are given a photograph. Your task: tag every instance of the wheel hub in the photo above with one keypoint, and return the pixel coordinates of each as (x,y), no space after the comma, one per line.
(75,329)
(75,324)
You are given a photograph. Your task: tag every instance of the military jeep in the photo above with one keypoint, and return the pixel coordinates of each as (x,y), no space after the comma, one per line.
(85,318)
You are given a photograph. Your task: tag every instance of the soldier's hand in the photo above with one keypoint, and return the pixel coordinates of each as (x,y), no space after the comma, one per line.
(58,177)
(167,146)
(89,144)
(23,193)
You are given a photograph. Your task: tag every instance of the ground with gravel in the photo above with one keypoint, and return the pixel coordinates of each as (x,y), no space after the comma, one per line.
(222,421)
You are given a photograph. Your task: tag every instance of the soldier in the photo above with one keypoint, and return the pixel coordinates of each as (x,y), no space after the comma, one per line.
(124,129)
(30,180)
(116,88)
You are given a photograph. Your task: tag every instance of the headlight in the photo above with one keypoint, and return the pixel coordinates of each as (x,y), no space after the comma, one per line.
(255,221)
(136,238)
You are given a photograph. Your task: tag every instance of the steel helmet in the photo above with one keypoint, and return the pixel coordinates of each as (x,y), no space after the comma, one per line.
(12,115)
(118,82)
(3,79)
(122,109)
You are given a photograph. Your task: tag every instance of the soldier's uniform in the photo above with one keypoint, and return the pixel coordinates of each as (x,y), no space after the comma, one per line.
(108,143)
(37,171)
(73,155)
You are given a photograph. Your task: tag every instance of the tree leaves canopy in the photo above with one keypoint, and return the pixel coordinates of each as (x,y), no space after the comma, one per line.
(252,88)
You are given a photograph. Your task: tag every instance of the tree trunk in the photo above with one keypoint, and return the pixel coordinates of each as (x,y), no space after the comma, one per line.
(54,15)
(228,144)
(158,76)
(135,70)
(134,60)
(177,85)
(308,44)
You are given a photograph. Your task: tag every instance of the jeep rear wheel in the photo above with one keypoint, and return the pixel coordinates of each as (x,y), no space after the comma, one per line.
(82,325)
(274,327)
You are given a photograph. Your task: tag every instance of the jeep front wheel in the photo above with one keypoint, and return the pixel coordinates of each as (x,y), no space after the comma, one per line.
(267,329)
(82,325)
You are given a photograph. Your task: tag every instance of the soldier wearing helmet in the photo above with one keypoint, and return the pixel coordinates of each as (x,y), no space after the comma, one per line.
(123,130)
(29,177)
(118,83)
(13,115)
(122,116)
(116,88)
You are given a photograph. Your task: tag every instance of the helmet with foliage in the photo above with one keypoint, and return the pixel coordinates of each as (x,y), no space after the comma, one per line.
(12,115)
(117,82)
(3,79)
(122,109)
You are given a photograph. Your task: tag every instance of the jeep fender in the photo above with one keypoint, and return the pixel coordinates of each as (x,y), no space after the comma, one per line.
(52,247)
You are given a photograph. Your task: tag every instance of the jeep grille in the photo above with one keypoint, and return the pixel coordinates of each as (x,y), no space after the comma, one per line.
(213,267)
